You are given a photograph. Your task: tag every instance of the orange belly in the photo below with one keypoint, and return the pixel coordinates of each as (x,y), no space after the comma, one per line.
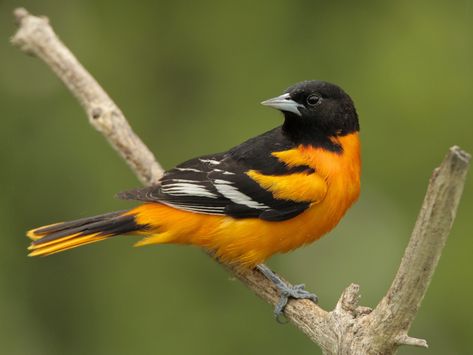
(251,241)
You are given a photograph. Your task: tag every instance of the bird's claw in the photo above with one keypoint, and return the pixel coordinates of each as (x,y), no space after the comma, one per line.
(297,292)
(286,291)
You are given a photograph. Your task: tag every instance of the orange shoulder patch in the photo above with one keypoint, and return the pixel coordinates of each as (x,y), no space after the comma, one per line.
(298,187)
(292,157)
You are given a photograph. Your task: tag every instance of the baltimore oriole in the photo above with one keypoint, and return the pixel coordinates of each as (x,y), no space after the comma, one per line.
(270,194)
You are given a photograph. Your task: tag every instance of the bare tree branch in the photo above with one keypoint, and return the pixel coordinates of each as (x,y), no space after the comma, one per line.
(420,259)
(36,37)
(349,328)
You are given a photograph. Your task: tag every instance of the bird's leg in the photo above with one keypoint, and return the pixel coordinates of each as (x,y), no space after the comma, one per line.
(285,290)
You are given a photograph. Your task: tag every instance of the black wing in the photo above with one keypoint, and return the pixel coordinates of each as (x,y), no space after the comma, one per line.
(218,184)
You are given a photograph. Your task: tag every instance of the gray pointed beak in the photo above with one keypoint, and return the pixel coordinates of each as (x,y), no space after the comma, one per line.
(283,103)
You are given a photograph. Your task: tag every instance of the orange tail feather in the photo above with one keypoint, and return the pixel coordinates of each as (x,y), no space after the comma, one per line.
(62,236)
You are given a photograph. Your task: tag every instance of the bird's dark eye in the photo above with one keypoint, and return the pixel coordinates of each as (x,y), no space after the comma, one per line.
(313,100)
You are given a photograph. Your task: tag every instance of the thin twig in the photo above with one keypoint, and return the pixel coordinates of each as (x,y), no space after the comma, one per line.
(349,328)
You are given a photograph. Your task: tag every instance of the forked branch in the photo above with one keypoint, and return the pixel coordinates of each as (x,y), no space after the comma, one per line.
(349,328)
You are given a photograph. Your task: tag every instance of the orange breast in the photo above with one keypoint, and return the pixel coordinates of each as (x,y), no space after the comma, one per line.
(251,241)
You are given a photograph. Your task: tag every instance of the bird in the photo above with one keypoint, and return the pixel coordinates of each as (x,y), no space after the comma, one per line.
(270,194)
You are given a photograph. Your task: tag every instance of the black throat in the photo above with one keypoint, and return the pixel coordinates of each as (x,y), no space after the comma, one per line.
(307,132)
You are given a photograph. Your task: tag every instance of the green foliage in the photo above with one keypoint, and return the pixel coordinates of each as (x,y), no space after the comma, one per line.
(190,76)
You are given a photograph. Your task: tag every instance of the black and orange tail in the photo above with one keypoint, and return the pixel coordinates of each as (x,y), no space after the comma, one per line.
(58,237)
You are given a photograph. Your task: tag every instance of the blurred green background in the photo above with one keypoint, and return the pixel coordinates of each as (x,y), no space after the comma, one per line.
(190,76)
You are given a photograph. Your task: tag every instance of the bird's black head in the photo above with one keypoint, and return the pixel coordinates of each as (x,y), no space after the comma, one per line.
(314,110)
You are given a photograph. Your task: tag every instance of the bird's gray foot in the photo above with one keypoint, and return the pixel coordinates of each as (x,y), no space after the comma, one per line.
(286,291)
